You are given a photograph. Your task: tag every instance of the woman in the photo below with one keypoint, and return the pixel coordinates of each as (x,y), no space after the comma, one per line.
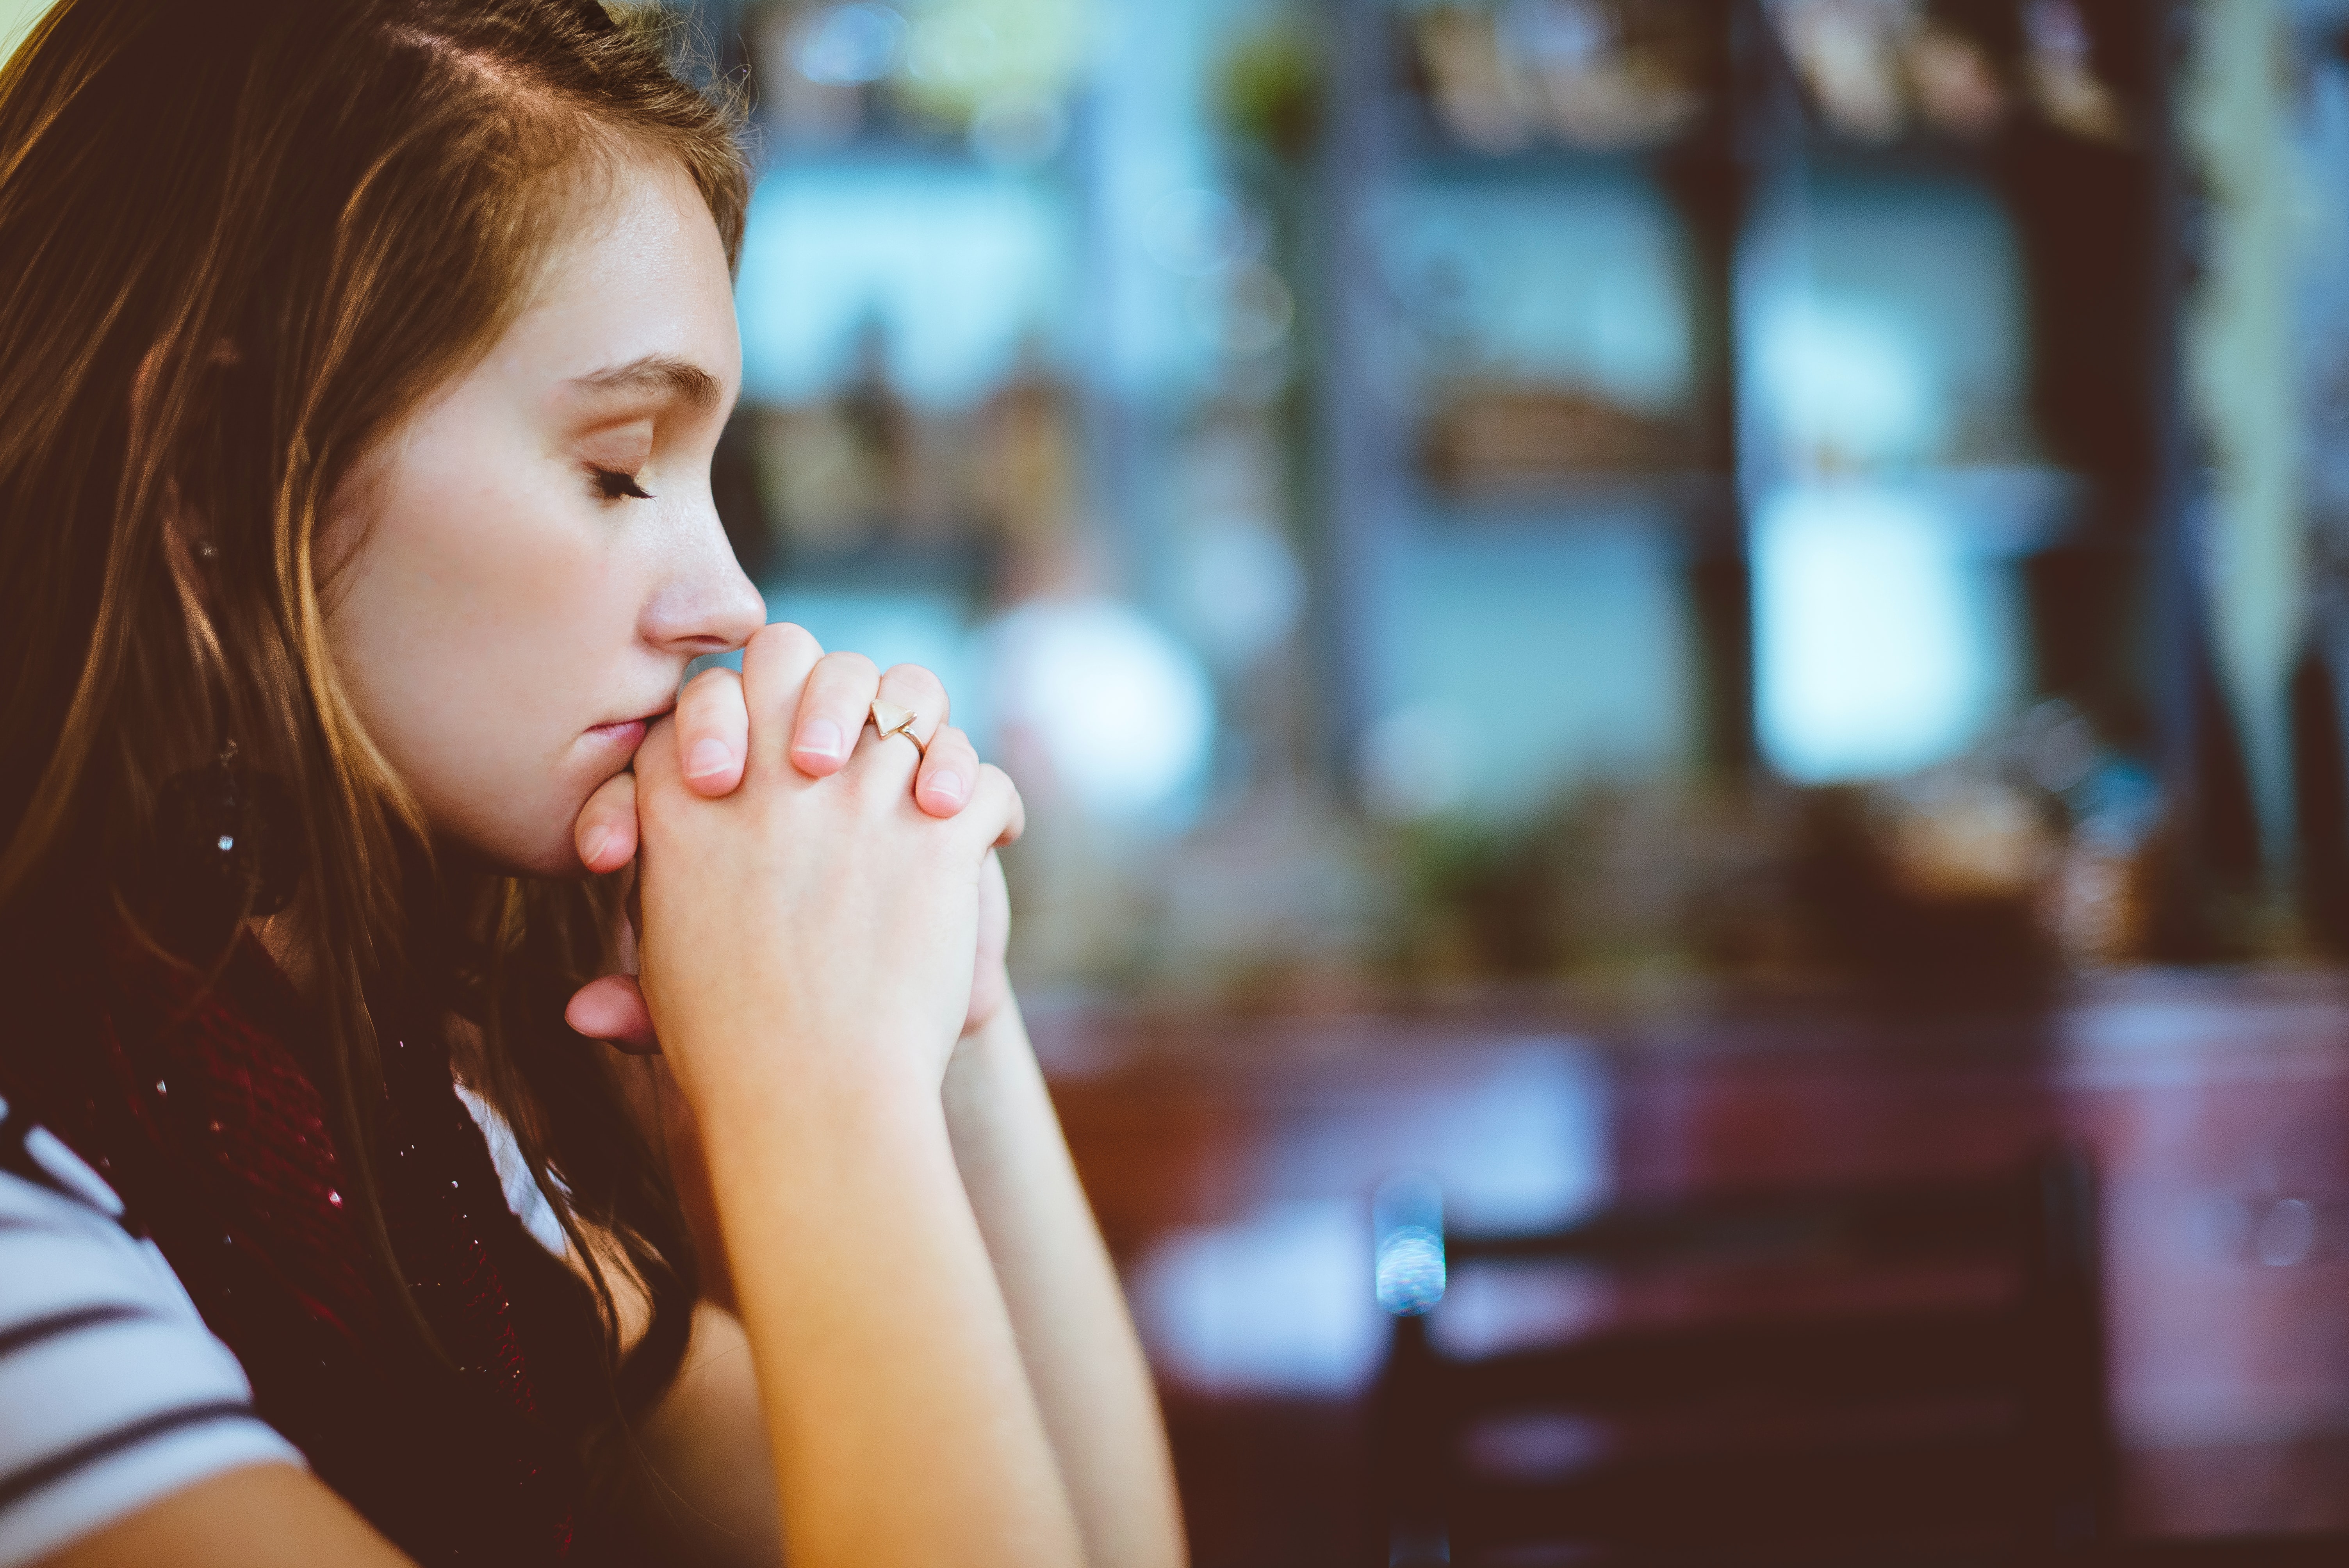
(365,360)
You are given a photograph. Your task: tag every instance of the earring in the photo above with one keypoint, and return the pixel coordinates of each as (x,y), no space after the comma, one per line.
(226,846)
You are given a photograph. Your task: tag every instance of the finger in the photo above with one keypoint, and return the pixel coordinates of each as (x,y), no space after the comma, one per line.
(612,1009)
(607,829)
(713,732)
(919,693)
(775,665)
(948,769)
(657,766)
(989,985)
(889,763)
(838,696)
(996,809)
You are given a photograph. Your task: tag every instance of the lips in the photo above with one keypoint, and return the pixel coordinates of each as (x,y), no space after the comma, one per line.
(626,732)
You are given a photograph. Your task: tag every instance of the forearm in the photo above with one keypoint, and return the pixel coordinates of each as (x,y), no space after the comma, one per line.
(1075,1336)
(902,1425)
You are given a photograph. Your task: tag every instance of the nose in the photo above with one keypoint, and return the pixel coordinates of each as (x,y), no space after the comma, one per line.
(707,604)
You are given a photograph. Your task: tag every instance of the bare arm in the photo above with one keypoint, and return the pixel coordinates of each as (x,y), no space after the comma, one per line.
(901,1425)
(807,957)
(707,1496)
(265,1516)
(706,1441)
(1076,1345)
(1075,1337)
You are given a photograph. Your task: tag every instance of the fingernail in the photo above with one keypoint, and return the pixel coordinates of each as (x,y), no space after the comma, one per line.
(596,842)
(708,756)
(819,738)
(947,787)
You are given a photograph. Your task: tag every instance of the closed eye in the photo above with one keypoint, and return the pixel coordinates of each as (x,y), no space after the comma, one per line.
(614,485)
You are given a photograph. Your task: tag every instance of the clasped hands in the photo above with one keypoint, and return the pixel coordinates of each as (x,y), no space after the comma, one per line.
(793,861)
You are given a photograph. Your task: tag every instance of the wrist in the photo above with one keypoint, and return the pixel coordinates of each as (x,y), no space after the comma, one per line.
(784,1074)
(988,1066)
(873,1143)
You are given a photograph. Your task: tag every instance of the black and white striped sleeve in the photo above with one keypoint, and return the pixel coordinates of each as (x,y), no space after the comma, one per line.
(113,1394)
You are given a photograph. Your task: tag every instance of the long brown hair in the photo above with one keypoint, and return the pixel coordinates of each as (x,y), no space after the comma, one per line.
(238,243)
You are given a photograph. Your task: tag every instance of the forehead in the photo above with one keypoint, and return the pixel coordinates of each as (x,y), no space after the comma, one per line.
(639,273)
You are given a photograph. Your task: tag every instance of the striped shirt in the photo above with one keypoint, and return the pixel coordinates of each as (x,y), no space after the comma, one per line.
(113,1394)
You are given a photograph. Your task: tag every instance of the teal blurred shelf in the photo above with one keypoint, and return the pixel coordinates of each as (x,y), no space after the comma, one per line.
(1689,500)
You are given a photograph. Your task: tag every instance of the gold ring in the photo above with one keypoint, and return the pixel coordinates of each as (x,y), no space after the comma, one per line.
(890,719)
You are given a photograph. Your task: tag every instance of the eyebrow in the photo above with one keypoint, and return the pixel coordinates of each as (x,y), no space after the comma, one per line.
(678,379)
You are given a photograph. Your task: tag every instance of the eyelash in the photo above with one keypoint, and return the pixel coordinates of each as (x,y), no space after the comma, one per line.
(614,485)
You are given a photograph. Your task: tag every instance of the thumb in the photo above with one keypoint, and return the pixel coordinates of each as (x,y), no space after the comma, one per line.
(612,1009)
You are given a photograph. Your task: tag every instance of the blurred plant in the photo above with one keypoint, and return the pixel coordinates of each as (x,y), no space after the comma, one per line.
(997,71)
(1270,88)
(1978,883)
(1481,901)
(1612,882)
(968,59)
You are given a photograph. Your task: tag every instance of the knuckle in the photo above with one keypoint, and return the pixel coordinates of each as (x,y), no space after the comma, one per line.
(849,667)
(708,690)
(782,637)
(916,679)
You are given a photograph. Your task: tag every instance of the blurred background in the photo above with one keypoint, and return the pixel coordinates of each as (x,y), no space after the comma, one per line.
(1604,600)
(1600,602)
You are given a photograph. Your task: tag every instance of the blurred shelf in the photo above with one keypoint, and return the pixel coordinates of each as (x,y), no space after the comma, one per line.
(2004,511)
(1698,501)
(1429,154)
(2000,511)
(1991,161)
(1821,151)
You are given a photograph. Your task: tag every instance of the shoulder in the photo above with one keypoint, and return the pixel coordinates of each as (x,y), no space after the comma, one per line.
(113,1394)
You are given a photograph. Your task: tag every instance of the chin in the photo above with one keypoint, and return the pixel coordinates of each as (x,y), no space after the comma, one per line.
(554,857)
(514,850)
(557,866)
(549,862)
(530,830)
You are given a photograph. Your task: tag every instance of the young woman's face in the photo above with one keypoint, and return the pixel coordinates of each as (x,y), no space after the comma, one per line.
(520,570)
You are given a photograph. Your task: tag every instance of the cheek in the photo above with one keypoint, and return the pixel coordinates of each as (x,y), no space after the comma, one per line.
(478,629)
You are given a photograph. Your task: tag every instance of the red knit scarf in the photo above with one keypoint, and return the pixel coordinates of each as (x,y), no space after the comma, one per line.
(200,1108)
